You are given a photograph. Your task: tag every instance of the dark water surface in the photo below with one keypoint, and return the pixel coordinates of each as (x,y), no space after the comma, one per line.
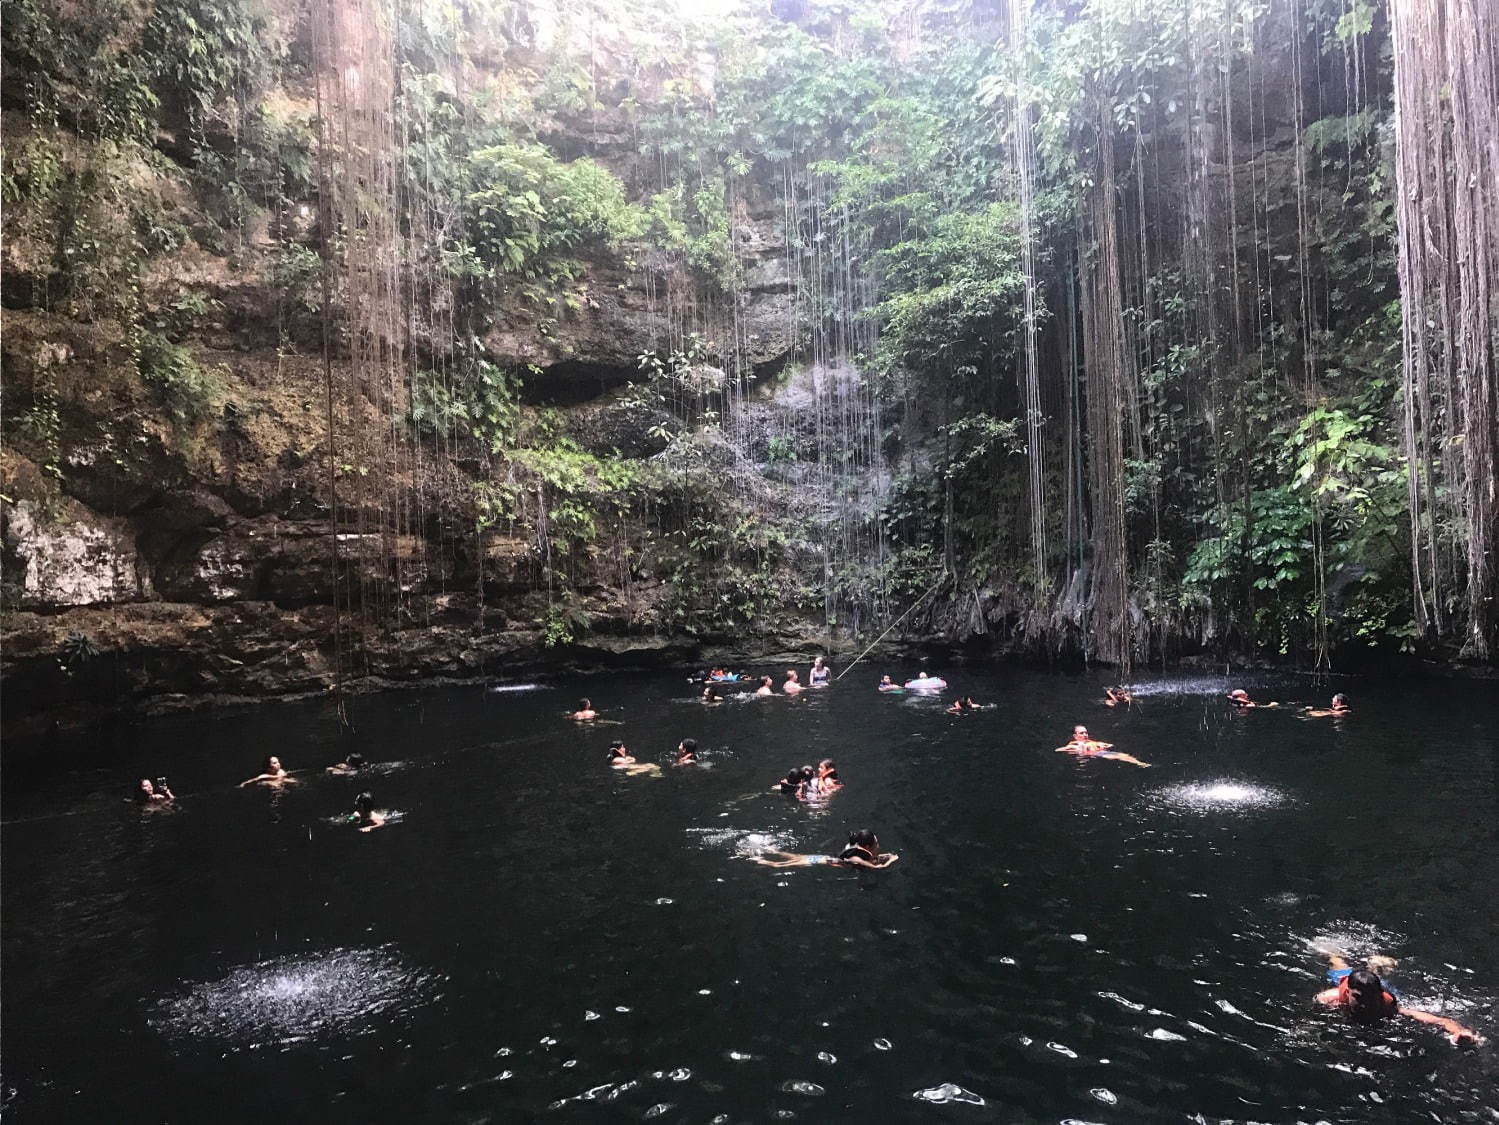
(537,937)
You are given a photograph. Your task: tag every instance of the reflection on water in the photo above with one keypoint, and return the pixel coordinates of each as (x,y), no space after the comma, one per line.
(1215,796)
(502,688)
(294,998)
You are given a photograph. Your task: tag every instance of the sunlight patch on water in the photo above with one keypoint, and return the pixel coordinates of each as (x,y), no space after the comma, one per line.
(503,688)
(1201,797)
(294,998)
(743,843)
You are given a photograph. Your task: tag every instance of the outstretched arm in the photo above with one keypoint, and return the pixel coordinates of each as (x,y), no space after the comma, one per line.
(1455,1031)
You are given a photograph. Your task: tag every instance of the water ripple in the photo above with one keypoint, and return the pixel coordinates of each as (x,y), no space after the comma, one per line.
(948,1092)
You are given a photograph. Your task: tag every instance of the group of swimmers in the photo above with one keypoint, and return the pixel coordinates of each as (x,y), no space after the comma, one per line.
(1239,698)
(156,793)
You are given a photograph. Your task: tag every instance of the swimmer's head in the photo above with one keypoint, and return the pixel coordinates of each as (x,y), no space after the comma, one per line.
(585,705)
(885,679)
(364,804)
(1080,732)
(145,791)
(1340,700)
(817,663)
(791,673)
(273,764)
(617,749)
(355,761)
(687,746)
(765,681)
(827,768)
(864,838)
(1239,695)
(1365,995)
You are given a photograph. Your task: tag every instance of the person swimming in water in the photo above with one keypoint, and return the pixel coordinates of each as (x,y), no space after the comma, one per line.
(273,774)
(963,706)
(795,783)
(585,712)
(153,792)
(862,850)
(687,752)
(1085,747)
(1114,696)
(350,765)
(709,696)
(887,684)
(1240,699)
(792,686)
(767,687)
(1339,706)
(1362,996)
(827,776)
(820,673)
(364,815)
(619,754)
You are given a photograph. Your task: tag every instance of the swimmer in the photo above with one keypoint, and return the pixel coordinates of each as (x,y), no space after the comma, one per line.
(1085,747)
(619,755)
(709,696)
(792,686)
(1362,995)
(352,764)
(1114,696)
(364,814)
(963,706)
(827,776)
(1339,706)
(887,684)
(795,783)
(585,712)
(863,850)
(1240,699)
(687,752)
(273,774)
(766,687)
(820,673)
(150,792)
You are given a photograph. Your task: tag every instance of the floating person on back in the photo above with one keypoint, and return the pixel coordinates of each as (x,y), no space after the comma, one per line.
(273,775)
(820,674)
(923,682)
(963,706)
(1363,997)
(687,752)
(1114,696)
(862,850)
(1339,706)
(887,684)
(364,815)
(766,687)
(153,792)
(350,765)
(792,686)
(585,712)
(1085,747)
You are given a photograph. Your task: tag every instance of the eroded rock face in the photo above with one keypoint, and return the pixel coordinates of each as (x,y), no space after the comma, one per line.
(80,559)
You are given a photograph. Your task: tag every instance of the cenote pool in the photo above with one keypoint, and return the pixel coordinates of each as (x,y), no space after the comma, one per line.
(536,937)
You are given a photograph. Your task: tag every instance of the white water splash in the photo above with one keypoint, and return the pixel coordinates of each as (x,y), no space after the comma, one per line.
(293,998)
(518,687)
(1199,797)
(948,1092)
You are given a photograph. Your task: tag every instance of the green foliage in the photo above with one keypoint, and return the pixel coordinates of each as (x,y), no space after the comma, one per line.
(176,380)
(474,398)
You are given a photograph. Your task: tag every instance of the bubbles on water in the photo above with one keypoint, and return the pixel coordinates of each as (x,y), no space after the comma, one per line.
(1355,940)
(1078,937)
(1201,797)
(799,1086)
(1062,1049)
(293,998)
(1105,1095)
(741,1056)
(1165,1036)
(882,1044)
(827,1057)
(591,1016)
(743,843)
(948,1092)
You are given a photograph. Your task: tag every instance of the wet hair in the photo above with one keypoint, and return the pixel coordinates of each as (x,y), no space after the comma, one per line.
(688,746)
(1365,996)
(617,749)
(832,768)
(862,838)
(1238,693)
(1078,728)
(808,771)
(1339,698)
(364,804)
(269,758)
(142,794)
(791,673)
(585,705)
(791,781)
(766,680)
(354,761)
